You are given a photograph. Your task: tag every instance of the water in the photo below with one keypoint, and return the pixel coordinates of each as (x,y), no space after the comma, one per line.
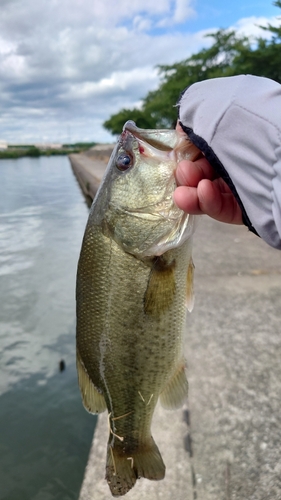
(45,434)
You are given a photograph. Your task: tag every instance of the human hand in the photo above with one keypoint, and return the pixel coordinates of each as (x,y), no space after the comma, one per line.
(201,191)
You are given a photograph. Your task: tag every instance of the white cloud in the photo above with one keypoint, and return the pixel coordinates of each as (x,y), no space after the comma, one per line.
(183,10)
(114,83)
(73,63)
(180,11)
(141,23)
(13,65)
(6,47)
(251,26)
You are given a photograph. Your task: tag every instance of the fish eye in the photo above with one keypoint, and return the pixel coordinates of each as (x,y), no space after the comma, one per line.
(124,162)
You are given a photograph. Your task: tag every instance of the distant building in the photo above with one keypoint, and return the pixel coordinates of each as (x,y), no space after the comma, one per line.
(51,145)
(3,145)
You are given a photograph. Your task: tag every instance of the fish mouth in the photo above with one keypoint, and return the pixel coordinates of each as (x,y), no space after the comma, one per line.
(159,139)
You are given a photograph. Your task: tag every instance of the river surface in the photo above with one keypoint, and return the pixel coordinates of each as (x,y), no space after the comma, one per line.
(45,434)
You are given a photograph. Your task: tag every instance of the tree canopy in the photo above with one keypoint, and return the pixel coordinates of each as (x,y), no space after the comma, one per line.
(229,55)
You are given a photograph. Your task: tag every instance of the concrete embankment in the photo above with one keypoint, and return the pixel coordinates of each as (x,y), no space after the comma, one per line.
(89,168)
(225,443)
(88,173)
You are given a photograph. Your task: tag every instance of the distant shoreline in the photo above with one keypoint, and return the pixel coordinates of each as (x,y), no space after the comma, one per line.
(14,152)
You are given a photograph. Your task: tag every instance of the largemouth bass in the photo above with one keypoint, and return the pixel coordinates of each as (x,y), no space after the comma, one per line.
(134,278)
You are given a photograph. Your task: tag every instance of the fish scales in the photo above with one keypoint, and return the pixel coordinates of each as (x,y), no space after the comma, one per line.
(131,292)
(144,351)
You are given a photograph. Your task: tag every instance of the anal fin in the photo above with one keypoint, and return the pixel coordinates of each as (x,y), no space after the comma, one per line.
(93,401)
(175,393)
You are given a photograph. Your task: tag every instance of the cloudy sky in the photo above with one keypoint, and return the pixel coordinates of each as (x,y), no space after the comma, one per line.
(67,65)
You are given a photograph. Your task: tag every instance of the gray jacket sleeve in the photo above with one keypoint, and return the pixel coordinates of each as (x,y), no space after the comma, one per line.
(236,122)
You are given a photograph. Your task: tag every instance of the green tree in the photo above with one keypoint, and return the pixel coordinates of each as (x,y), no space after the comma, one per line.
(142,119)
(265,58)
(229,54)
(208,63)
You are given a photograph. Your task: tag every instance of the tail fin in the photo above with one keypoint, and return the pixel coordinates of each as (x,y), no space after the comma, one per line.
(124,468)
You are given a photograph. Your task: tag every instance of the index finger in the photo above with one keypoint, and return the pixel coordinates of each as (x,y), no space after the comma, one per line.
(190,173)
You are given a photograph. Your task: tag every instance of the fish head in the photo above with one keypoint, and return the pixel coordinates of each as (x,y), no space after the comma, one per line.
(135,200)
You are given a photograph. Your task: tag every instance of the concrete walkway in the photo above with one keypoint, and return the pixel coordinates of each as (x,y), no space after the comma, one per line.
(88,173)
(225,443)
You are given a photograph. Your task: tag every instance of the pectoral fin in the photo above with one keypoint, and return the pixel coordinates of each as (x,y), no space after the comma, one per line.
(175,393)
(189,286)
(93,401)
(161,287)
